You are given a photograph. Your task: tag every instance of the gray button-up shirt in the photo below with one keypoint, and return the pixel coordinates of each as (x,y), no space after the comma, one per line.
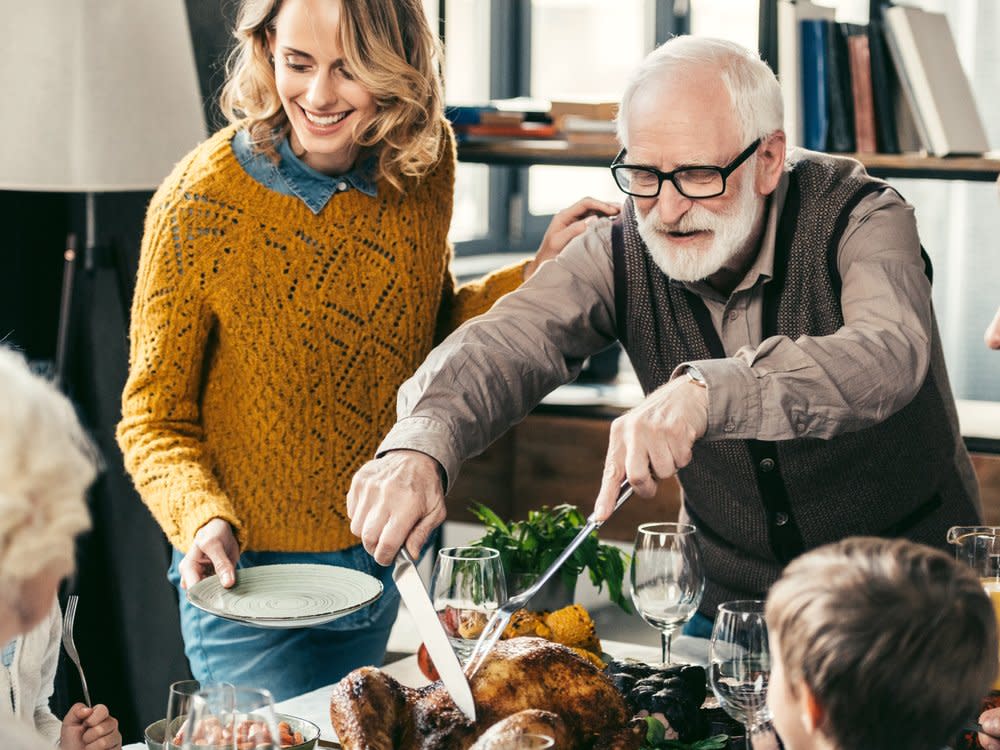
(493,370)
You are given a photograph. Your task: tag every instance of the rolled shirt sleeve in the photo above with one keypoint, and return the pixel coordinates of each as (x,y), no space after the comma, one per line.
(494,369)
(820,386)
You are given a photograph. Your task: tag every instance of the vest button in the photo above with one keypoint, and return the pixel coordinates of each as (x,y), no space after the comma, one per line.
(734,314)
(800,427)
(780,519)
(767,465)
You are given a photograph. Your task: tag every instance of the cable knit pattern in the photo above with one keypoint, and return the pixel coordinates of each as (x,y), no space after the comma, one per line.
(267,344)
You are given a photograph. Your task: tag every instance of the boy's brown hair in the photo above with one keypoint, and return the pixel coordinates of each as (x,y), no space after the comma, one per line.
(896,641)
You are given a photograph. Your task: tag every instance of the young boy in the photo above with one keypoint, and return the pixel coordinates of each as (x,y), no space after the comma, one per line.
(878,643)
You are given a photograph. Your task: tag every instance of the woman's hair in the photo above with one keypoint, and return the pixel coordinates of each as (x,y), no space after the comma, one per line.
(880,628)
(48,463)
(755,92)
(388,48)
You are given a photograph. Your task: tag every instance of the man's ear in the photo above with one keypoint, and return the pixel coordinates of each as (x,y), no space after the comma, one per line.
(770,162)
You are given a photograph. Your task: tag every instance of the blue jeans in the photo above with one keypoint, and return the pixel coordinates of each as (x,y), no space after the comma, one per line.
(699,626)
(289,662)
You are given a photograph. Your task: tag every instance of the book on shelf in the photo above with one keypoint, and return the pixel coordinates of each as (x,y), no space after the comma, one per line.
(885,89)
(859,61)
(504,131)
(814,81)
(594,109)
(790,14)
(933,81)
(839,100)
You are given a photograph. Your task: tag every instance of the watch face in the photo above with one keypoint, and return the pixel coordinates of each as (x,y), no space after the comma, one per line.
(696,376)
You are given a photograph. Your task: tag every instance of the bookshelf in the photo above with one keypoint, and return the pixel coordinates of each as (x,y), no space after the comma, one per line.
(531,152)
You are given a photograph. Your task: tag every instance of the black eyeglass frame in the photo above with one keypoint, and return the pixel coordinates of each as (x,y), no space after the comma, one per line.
(724,173)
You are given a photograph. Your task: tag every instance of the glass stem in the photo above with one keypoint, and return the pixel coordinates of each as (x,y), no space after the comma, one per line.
(665,645)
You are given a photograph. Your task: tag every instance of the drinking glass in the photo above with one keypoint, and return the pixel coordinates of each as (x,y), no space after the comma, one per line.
(467,586)
(740,664)
(979,548)
(178,708)
(666,577)
(224,717)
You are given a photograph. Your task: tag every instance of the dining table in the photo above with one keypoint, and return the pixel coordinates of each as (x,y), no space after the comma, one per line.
(315,705)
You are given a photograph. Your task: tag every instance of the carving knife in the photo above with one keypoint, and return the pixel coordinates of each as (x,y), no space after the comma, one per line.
(419,604)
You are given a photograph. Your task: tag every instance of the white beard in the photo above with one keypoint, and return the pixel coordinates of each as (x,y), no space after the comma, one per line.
(730,233)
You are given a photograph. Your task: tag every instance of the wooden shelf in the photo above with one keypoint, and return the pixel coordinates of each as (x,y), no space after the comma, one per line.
(526,153)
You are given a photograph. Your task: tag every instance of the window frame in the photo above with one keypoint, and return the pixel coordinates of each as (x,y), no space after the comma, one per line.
(511,226)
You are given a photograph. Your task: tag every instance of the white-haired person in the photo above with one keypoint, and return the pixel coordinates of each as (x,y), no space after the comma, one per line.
(48,463)
(776,308)
(877,643)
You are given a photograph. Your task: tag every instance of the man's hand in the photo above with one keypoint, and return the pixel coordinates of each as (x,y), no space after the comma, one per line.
(566,225)
(992,335)
(653,440)
(991,723)
(86,728)
(394,500)
(214,550)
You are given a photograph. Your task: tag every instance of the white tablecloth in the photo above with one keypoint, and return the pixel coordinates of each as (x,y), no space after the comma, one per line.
(315,706)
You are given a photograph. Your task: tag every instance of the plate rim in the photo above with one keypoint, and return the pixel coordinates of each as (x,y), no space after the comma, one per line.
(319,619)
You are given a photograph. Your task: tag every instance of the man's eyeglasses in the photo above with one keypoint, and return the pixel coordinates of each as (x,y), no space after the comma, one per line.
(691,182)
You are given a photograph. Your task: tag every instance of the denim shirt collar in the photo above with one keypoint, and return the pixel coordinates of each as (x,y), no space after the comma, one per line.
(292,176)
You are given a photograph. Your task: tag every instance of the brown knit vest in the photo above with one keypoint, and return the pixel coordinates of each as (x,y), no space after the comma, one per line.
(759,504)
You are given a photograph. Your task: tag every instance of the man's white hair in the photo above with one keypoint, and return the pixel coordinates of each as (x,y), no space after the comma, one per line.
(46,464)
(752,86)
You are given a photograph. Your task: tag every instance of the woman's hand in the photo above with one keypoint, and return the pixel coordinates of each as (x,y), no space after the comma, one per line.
(214,550)
(567,224)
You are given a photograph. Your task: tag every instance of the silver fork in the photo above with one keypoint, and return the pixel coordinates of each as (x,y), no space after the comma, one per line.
(501,616)
(70,645)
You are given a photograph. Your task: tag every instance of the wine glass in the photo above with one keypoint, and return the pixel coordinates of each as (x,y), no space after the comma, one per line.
(467,586)
(178,708)
(224,717)
(740,664)
(666,577)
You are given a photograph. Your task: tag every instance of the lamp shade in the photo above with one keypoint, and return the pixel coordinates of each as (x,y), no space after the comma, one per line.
(99,95)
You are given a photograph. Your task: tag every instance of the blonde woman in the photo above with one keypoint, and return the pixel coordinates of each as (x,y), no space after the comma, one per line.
(295,271)
(48,465)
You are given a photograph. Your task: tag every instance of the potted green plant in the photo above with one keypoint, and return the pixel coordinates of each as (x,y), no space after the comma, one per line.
(528,547)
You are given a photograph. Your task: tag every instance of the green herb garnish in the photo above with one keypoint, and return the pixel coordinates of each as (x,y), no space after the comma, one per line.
(656,733)
(529,547)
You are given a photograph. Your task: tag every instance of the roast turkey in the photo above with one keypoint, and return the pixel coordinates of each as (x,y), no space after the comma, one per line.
(370,710)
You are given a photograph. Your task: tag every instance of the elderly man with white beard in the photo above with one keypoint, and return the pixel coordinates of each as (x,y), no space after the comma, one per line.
(777,310)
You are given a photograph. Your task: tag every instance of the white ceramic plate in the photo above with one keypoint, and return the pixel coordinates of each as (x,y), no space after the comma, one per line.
(287,596)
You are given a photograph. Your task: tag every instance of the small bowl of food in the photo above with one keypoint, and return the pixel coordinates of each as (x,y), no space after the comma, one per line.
(154,734)
(294,733)
(300,733)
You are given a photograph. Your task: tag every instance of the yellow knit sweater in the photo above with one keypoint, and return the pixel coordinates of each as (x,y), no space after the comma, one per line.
(267,344)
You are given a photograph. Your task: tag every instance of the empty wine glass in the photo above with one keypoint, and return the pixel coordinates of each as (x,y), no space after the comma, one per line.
(666,577)
(467,586)
(224,717)
(740,664)
(178,708)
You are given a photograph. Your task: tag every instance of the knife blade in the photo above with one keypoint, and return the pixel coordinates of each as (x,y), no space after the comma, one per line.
(419,604)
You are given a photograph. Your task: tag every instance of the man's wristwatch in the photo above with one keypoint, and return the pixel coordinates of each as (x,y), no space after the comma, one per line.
(695,376)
